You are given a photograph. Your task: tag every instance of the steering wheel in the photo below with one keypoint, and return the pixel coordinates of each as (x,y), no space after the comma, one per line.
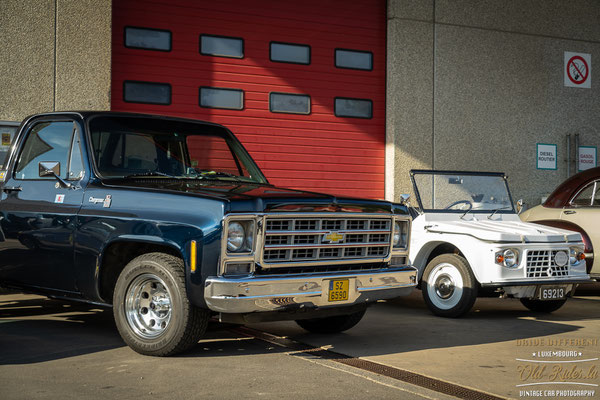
(460,202)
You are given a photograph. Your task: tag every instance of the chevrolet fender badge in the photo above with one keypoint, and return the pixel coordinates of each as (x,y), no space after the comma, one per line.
(59,199)
(106,202)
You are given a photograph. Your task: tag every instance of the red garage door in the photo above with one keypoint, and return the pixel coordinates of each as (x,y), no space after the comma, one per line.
(302,84)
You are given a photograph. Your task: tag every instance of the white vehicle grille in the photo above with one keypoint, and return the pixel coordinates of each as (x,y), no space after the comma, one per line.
(540,264)
(293,240)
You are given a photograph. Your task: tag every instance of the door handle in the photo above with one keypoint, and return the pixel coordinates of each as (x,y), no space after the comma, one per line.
(9,189)
(568,212)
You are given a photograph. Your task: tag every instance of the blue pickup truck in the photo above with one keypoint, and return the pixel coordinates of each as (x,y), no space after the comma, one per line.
(171,223)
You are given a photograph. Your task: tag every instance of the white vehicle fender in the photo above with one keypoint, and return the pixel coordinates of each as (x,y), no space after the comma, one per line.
(452,242)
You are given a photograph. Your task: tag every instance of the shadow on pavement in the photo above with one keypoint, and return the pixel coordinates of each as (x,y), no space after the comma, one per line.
(36,329)
(406,325)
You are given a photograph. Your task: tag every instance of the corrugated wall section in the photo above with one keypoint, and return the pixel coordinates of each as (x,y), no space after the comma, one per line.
(319,151)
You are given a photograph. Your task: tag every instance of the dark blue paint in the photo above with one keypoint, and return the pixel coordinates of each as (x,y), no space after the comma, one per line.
(58,248)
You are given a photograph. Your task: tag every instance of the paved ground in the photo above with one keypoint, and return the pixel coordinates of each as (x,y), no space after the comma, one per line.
(51,349)
(478,351)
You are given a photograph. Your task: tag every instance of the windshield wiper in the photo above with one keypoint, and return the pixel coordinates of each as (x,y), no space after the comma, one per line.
(214,174)
(149,173)
(498,209)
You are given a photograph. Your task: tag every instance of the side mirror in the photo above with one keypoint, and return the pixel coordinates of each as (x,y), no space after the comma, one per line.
(404,200)
(52,168)
(49,168)
(520,207)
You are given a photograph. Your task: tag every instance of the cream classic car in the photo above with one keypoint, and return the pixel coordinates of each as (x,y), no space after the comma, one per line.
(468,241)
(575,205)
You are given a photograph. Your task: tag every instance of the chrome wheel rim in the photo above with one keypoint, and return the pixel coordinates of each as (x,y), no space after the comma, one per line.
(445,286)
(148,306)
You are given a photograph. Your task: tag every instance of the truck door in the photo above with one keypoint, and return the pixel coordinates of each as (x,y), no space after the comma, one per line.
(38,210)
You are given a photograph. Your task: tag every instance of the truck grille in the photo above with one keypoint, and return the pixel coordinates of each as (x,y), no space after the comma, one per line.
(297,240)
(540,264)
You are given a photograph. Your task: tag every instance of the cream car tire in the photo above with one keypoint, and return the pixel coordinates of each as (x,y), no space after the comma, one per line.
(449,286)
(151,308)
(335,324)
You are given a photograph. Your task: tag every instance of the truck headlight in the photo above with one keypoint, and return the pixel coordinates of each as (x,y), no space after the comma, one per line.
(240,236)
(576,255)
(400,235)
(509,258)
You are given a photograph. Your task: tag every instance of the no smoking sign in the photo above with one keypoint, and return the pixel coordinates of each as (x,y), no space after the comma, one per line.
(578,70)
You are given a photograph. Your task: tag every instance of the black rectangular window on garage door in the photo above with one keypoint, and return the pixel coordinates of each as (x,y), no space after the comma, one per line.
(289,103)
(354,59)
(147,92)
(221,98)
(357,108)
(146,38)
(290,53)
(221,46)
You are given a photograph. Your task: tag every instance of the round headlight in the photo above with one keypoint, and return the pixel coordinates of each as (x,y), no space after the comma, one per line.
(235,236)
(397,234)
(510,258)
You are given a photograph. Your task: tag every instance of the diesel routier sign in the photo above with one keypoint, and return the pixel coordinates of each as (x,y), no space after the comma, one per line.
(546,156)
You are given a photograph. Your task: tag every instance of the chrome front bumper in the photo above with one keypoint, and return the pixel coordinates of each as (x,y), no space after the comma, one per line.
(277,293)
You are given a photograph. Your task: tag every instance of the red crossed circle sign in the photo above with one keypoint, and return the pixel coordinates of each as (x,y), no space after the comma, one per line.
(577,70)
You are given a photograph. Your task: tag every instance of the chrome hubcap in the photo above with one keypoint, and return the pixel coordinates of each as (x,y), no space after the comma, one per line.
(148,306)
(444,287)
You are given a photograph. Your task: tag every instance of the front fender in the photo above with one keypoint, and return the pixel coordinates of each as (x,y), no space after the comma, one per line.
(420,252)
(95,237)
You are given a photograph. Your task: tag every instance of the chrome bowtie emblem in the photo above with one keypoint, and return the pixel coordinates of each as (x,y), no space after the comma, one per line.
(333,237)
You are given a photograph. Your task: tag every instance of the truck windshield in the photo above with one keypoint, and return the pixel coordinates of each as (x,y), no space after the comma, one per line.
(461,192)
(131,146)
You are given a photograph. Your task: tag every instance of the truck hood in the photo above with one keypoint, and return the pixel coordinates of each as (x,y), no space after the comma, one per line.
(505,231)
(255,197)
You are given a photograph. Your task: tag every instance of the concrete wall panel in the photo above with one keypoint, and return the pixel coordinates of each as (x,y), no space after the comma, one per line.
(499,96)
(27,61)
(573,19)
(409,98)
(83,55)
(498,88)
(421,10)
(55,56)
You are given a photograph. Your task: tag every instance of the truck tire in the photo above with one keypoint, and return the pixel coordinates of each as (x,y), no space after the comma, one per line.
(449,286)
(335,324)
(543,306)
(151,308)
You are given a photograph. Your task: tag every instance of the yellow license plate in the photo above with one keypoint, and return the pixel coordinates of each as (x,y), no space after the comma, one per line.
(338,289)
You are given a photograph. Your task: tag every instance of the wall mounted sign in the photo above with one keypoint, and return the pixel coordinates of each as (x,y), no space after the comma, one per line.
(5,139)
(546,156)
(587,157)
(578,70)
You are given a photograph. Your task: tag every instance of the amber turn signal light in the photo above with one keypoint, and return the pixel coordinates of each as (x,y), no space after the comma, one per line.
(193,256)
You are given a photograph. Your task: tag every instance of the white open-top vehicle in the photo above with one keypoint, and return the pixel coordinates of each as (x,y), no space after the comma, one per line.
(467,240)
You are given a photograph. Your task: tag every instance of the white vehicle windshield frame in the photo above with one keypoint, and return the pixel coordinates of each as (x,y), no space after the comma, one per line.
(467,173)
